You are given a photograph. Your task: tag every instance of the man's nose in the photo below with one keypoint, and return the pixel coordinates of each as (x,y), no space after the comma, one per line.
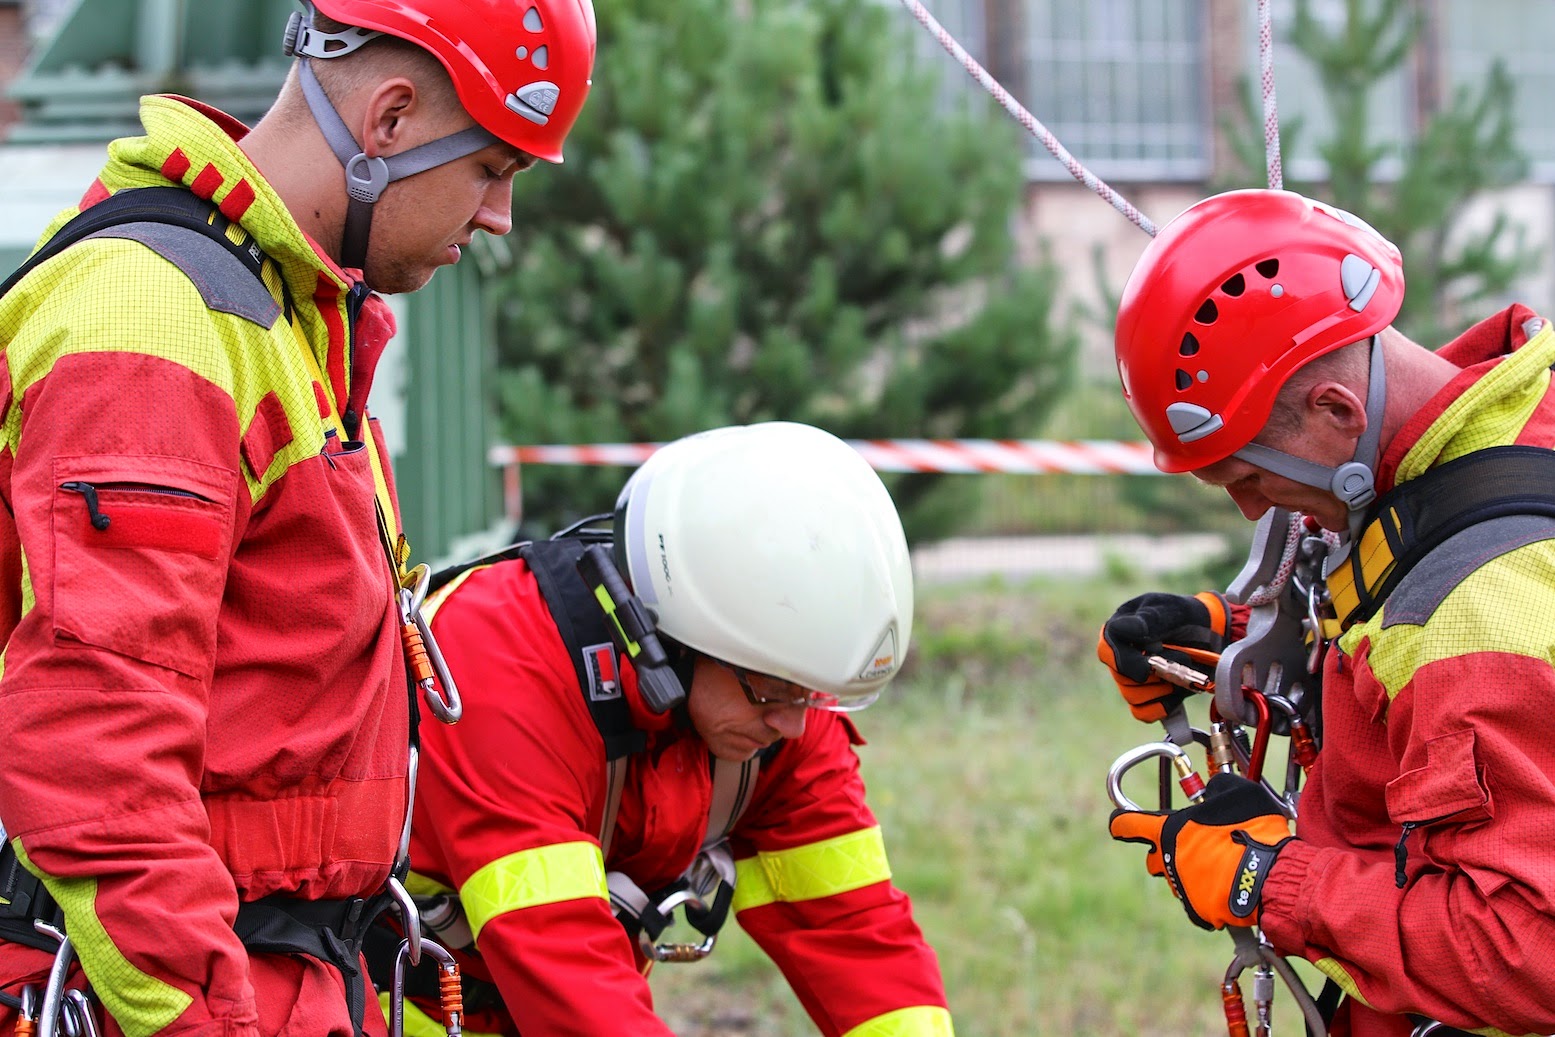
(495,215)
(787,721)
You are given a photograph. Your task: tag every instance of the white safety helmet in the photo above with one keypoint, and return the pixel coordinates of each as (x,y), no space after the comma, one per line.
(773,547)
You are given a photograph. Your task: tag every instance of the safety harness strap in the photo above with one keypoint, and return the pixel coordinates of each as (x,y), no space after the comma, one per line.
(23,900)
(329,930)
(170,205)
(582,626)
(1417,516)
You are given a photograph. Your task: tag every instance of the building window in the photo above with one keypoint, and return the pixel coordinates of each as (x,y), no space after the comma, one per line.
(1121,84)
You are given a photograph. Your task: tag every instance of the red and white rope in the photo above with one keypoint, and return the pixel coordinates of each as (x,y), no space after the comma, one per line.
(1019,456)
(1271,116)
(1026,119)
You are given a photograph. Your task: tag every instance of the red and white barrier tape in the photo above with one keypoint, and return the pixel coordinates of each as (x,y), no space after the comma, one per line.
(1021,456)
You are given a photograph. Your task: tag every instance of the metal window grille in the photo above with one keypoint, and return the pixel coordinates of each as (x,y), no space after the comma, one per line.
(1124,85)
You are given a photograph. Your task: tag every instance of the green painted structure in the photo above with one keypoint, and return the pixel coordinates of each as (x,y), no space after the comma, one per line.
(80,89)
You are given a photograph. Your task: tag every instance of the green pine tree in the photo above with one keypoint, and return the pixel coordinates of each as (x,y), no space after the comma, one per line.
(1463,149)
(775,209)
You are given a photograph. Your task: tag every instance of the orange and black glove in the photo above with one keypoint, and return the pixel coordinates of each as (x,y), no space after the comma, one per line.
(1160,624)
(1215,853)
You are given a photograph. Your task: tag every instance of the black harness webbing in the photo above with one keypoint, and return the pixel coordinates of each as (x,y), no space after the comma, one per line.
(24,899)
(173,206)
(1417,516)
(332,931)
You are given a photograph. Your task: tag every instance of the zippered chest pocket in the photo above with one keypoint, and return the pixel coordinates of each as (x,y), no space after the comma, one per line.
(140,549)
(1432,804)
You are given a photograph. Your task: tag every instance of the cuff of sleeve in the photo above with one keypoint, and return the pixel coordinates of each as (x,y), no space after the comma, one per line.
(1281,911)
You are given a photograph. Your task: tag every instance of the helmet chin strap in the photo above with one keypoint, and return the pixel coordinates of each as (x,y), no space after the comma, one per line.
(1353,482)
(366,177)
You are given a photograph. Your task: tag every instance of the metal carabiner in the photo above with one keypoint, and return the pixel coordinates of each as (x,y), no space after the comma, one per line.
(78,1008)
(419,639)
(1253,949)
(410,919)
(450,992)
(676,952)
(1187,779)
(27,1015)
(54,990)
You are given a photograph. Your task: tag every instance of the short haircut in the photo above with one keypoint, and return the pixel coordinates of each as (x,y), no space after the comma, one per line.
(378,59)
(1348,365)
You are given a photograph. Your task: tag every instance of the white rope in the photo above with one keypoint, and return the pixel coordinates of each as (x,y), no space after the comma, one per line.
(1026,119)
(1271,117)
(1270,591)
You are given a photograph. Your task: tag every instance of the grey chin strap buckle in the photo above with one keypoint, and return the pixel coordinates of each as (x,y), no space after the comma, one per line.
(1354,484)
(366,188)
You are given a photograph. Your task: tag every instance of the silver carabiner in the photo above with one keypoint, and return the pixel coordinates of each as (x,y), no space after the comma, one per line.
(54,990)
(1192,785)
(453,1020)
(676,952)
(413,592)
(410,919)
(78,1016)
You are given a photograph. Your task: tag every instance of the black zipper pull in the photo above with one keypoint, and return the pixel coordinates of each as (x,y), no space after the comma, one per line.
(88,491)
(1401,855)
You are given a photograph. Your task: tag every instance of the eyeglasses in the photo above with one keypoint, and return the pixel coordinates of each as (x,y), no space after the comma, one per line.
(765,690)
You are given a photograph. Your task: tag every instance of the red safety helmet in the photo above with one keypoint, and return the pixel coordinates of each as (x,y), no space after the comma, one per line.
(521,67)
(1229,300)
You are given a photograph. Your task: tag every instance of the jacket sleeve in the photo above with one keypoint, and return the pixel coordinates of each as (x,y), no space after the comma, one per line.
(813,890)
(508,803)
(118,413)
(1469,937)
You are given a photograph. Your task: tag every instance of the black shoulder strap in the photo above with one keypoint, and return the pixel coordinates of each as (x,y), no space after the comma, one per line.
(584,630)
(168,205)
(1417,516)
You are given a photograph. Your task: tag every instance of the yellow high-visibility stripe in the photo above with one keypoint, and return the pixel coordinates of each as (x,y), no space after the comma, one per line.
(418,885)
(820,869)
(139,1003)
(918,1021)
(529,878)
(419,1024)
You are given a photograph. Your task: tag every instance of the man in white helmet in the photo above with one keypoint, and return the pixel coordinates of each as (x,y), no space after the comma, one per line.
(560,824)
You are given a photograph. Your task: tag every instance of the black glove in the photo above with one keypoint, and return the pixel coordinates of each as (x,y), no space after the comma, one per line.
(1158,624)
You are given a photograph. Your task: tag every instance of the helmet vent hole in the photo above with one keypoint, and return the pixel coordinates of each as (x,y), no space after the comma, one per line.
(532,20)
(1190,345)
(1208,313)
(542,57)
(1184,379)
(1235,286)
(1268,268)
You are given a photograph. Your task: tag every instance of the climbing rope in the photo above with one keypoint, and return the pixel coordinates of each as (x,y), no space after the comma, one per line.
(1271,115)
(1032,124)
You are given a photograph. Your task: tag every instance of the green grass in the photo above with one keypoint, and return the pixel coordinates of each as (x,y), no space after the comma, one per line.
(986,765)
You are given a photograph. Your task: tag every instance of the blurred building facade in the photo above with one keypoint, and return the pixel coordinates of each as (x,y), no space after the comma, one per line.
(1140,90)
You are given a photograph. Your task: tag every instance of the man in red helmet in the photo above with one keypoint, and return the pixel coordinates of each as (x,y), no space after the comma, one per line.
(1256,351)
(204,760)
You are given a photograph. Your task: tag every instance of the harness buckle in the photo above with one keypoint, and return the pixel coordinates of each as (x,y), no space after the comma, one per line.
(671,951)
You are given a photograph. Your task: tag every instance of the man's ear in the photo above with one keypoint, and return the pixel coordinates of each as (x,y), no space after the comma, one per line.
(384,117)
(1337,406)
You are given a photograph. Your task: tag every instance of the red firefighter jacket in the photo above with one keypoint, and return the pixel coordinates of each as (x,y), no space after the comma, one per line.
(509,804)
(1439,723)
(205,701)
